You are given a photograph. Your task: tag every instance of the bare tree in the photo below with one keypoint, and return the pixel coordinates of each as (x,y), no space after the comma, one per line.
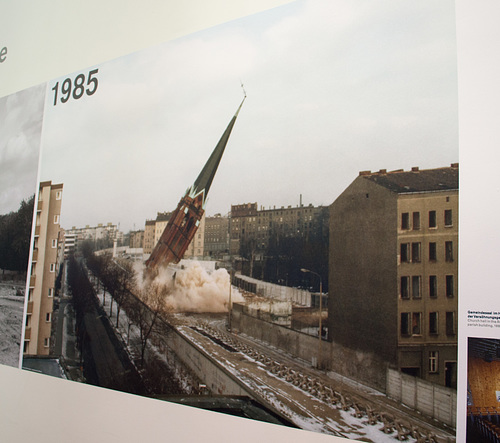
(124,283)
(147,310)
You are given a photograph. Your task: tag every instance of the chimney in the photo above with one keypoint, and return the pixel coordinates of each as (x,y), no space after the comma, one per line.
(365,172)
(414,169)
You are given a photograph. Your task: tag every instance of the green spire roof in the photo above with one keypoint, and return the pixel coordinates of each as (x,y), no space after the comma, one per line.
(204,180)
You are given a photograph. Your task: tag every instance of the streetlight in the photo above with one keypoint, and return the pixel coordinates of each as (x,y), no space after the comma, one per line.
(320,312)
(230,302)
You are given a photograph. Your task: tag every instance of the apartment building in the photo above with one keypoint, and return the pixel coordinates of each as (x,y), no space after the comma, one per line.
(394,270)
(216,236)
(136,239)
(249,224)
(102,235)
(44,269)
(149,236)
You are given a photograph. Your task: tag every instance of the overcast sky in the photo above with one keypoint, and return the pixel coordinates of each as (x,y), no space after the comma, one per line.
(334,87)
(20,130)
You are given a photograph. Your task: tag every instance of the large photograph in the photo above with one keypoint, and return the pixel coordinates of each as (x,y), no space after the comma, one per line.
(260,219)
(21,117)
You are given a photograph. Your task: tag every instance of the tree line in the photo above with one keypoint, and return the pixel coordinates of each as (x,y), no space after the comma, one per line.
(145,308)
(15,235)
(144,312)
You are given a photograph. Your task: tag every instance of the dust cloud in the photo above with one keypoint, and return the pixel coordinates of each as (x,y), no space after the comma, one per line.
(193,289)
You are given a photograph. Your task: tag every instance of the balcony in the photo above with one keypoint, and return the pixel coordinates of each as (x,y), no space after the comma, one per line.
(35,254)
(29,308)
(37,231)
(27,333)
(32,281)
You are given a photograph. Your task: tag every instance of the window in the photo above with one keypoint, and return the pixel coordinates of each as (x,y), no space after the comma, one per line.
(433,361)
(54,243)
(448,246)
(405,287)
(432,286)
(405,252)
(448,218)
(415,252)
(433,322)
(449,286)
(415,286)
(432,251)
(48,316)
(416,221)
(432,219)
(51,292)
(26,346)
(52,267)
(405,323)
(450,323)
(416,323)
(46,342)
(56,219)
(405,220)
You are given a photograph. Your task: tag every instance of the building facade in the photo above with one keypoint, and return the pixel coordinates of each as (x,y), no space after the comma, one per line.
(216,236)
(254,227)
(394,270)
(44,270)
(103,235)
(149,236)
(136,239)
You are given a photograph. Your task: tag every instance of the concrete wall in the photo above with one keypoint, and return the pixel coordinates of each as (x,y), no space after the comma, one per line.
(368,368)
(295,343)
(434,401)
(277,292)
(217,379)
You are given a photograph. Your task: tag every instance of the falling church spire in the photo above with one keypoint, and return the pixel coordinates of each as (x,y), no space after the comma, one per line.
(207,174)
(185,220)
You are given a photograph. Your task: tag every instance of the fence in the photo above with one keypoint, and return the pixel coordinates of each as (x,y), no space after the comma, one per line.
(435,401)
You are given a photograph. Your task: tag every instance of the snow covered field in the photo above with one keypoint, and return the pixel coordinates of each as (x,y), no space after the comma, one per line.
(11,319)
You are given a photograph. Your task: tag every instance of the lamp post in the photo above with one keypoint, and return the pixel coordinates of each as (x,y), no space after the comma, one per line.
(320,313)
(230,302)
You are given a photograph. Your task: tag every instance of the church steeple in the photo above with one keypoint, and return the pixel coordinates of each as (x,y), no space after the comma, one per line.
(207,174)
(185,220)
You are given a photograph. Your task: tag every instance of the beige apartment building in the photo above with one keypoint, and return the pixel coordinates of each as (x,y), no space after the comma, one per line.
(394,270)
(216,236)
(136,239)
(149,236)
(44,269)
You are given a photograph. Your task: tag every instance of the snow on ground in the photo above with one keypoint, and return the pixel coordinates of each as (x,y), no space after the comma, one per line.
(11,320)
(316,417)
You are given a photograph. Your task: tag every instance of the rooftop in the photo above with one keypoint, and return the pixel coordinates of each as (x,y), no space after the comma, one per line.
(416,180)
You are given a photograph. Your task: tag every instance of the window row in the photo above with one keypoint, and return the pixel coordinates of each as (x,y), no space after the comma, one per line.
(411,323)
(432,221)
(411,286)
(412,252)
